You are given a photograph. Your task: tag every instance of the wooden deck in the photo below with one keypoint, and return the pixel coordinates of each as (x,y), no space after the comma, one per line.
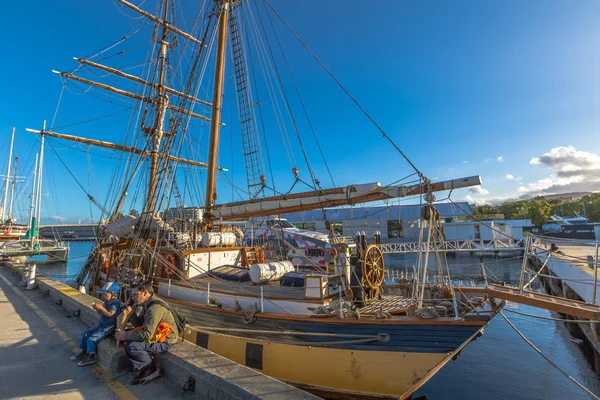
(389,303)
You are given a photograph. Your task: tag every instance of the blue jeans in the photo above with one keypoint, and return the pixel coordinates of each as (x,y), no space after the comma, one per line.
(139,353)
(92,336)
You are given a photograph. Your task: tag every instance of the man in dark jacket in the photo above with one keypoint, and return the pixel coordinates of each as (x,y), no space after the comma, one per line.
(158,334)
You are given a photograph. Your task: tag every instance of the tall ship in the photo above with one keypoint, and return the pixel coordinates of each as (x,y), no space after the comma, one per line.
(338,332)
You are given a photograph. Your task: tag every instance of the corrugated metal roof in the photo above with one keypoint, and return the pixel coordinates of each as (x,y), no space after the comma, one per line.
(447,210)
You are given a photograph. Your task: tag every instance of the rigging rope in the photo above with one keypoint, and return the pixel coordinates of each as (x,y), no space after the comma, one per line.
(347,92)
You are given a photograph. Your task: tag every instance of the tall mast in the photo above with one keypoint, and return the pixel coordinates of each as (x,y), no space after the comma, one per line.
(32,220)
(7,175)
(162,101)
(38,205)
(12,189)
(215,123)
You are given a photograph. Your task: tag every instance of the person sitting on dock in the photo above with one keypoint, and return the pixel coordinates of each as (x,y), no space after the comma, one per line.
(158,334)
(109,311)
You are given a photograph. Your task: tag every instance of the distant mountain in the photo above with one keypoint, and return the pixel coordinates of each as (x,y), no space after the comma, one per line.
(575,196)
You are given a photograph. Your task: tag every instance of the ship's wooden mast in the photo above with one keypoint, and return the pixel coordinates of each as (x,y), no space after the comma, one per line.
(162,101)
(156,131)
(215,126)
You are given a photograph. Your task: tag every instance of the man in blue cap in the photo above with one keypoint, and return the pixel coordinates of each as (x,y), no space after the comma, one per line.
(109,311)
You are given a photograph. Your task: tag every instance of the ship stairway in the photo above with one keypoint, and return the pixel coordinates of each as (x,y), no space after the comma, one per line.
(246,111)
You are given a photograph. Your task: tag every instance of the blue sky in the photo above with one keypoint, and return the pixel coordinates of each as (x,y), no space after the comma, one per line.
(506,90)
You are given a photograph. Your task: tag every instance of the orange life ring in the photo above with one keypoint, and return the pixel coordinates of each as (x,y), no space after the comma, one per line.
(262,257)
(7,231)
(105,266)
(170,267)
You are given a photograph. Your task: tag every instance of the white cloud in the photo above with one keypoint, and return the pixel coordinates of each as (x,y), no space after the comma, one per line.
(567,159)
(58,218)
(509,176)
(574,171)
(465,162)
(478,190)
(487,160)
(478,202)
(500,159)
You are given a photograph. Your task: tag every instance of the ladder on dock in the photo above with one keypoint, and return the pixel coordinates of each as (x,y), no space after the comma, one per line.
(553,303)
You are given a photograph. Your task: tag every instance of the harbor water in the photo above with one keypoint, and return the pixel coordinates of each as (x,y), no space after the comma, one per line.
(499,364)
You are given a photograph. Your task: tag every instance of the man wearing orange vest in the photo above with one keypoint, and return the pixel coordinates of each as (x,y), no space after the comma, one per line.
(158,334)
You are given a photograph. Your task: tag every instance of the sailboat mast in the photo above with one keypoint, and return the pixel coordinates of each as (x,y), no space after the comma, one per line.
(39,179)
(32,220)
(12,189)
(215,124)
(8,174)
(162,103)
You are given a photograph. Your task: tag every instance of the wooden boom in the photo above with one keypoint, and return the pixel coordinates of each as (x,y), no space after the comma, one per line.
(128,94)
(348,195)
(160,21)
(113,146)
(140,80)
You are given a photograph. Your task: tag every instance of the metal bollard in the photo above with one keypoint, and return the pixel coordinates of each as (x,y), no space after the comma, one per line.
(31,277)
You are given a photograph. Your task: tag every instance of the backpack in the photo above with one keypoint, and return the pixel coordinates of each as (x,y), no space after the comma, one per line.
(179,320)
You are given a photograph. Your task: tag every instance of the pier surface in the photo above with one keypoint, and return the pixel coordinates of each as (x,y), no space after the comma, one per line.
(38,339)
(39,336)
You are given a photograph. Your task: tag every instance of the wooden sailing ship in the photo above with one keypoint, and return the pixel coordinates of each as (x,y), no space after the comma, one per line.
(338,334)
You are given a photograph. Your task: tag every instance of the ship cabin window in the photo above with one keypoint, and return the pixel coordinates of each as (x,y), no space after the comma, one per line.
(309,226)
(395,228)
(337,228)
(477,232)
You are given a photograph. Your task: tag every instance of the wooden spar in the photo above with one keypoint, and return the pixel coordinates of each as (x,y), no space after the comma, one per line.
(553,303)
(159,122)
(164,23)
(352,194)
(128,94)
(314,193)
(140,80)
(113,146)
(215,125)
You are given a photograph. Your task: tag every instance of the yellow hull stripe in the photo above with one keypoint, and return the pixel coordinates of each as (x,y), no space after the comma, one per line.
(354,371)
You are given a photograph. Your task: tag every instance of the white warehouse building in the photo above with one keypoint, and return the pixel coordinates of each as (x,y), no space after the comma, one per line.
(395,222)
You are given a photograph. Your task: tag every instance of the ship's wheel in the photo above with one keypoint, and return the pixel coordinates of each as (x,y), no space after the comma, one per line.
(372,267)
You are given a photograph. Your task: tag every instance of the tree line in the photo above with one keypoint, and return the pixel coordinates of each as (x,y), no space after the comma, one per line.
(539,209)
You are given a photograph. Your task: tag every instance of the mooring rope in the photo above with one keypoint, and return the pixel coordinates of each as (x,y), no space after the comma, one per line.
(547,359)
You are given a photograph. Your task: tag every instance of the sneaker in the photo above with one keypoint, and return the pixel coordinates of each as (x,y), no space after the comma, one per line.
(79,356)
(91,359)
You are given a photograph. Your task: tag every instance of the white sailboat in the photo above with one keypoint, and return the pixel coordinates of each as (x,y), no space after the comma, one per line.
(29,243)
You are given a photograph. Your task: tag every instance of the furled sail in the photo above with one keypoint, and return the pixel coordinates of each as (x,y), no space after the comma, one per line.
(348,195)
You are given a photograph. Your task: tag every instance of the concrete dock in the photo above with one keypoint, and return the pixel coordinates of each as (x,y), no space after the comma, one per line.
(41,330)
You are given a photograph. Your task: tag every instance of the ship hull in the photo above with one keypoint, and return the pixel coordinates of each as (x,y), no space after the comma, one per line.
(332,357)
